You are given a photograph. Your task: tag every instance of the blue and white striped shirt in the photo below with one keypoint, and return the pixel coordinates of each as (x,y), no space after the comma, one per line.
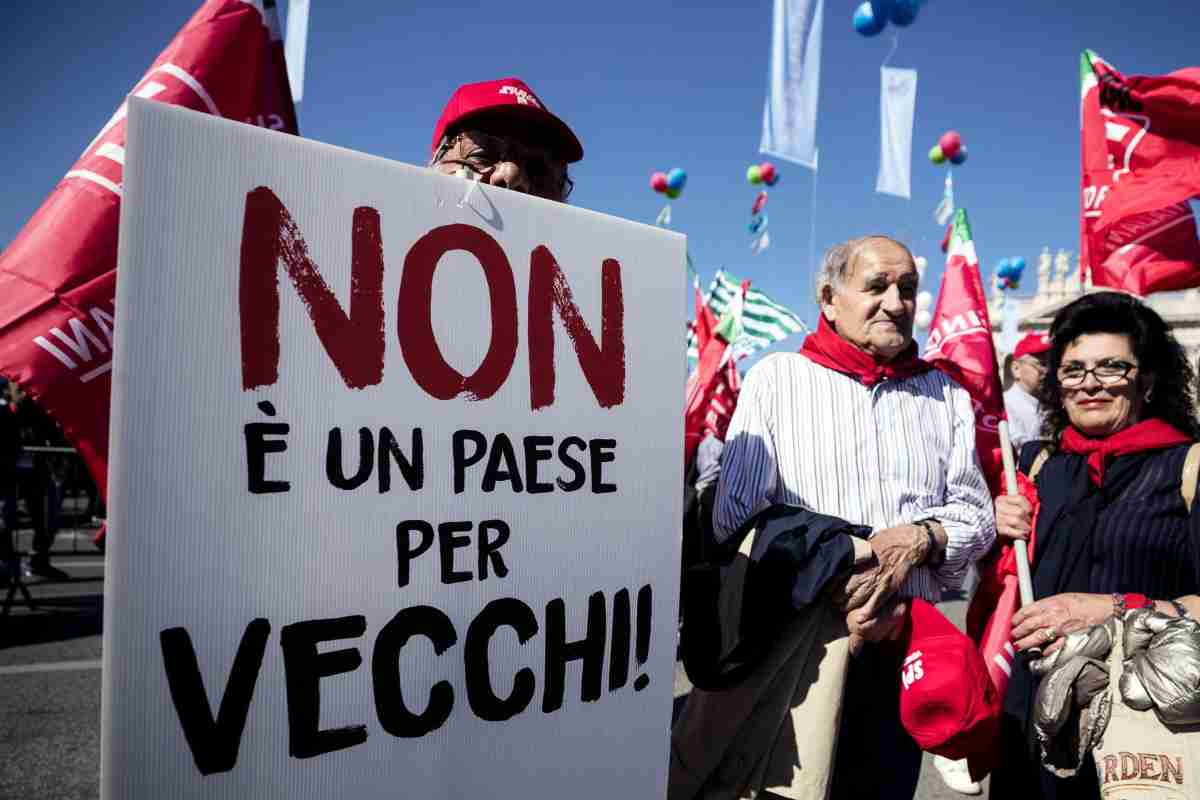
(881,456)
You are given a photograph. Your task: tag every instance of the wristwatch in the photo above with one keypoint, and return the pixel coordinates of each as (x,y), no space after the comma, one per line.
(936,556)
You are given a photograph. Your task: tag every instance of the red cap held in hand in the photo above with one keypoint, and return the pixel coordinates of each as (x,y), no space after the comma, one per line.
(512,97)
(947,701)
(1032,344)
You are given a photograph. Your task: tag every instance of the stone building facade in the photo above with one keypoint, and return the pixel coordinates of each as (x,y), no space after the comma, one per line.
(1058,283)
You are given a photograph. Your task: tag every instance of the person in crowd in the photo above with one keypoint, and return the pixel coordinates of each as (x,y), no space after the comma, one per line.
(501,133)
(1020,401)
(854,426)
(1113,528)
(35,479)
(10,451)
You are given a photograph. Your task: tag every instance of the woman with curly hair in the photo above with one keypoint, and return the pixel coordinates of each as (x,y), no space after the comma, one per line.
(1113,530)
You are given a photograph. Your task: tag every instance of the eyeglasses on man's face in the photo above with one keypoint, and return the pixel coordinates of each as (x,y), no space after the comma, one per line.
(1109,372)
(480,153)
(1036,363)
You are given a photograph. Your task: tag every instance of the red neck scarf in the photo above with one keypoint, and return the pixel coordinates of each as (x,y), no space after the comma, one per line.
(1151,434)
(833,352)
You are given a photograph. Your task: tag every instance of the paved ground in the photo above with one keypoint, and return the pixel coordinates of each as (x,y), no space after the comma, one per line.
(50,683)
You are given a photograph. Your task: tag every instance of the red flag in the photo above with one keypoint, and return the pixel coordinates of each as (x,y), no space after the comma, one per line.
(960,344)
(1140,159)
(724,400)
(711,393)
(705,322)
(997,598)
(58,277)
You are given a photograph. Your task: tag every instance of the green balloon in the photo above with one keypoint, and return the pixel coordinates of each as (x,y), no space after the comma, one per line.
(754,174)
(936,155)
(673,193)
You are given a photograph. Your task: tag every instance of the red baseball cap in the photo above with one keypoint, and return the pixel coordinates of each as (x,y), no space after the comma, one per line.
(512,97)
(1032,344)
(948,703)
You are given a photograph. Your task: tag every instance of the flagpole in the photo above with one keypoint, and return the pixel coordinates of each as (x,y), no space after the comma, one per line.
(812,224)
(1024,578)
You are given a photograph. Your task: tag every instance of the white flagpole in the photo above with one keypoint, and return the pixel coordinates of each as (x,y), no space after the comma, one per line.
(1024,578)
(812,223)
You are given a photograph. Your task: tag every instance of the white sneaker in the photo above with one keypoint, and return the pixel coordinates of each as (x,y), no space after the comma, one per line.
(956,775)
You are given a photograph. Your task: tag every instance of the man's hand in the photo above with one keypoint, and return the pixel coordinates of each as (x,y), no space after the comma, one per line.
(897,550)
(886,626)
(859,587)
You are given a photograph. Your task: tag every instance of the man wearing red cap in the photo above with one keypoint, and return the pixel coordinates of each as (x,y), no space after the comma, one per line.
(501,133)
(1020,401)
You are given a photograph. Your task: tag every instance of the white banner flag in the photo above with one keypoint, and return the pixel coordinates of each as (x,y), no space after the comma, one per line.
(296,46)
(897,102)
(945,209)
(790,113)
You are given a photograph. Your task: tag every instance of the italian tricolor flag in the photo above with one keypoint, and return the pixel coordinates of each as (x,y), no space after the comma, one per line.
(960,343)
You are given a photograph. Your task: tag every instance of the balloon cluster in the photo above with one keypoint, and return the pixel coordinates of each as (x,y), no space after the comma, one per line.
(949,148)
(872,17)
(669,183)
(921,264)
(762,173)
(1009,272)
(924,314)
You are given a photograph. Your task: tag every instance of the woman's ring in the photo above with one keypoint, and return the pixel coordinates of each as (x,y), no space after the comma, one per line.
(1049,635)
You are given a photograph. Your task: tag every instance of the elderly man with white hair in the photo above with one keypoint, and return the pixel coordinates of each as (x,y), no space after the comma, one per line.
(853,427)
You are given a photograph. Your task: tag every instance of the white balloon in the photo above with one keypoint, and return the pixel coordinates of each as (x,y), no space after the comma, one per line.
(921,263)
(923,318)
(924,300)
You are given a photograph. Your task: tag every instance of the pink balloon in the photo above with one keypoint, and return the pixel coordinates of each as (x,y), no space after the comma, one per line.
(658,182)
(950,143)
(759,202)
(767,170)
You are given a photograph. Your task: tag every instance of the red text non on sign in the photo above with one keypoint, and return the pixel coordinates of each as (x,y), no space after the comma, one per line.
(356,341)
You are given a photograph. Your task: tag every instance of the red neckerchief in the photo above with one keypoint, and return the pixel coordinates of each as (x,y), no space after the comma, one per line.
(1151,434)
(833,352)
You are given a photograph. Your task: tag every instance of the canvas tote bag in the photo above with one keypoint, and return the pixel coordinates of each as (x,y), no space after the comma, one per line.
(1139,757)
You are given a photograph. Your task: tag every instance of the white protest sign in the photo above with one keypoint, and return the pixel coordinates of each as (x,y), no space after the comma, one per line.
(395,481)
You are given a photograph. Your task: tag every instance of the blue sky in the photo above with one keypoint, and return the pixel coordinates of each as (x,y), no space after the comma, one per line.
(651,85)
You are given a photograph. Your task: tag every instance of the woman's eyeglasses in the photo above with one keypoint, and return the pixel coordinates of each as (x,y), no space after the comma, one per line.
(1109,372)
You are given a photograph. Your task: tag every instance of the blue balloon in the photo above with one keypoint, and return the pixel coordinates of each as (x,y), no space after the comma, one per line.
(882,9)
(1003,268)
(676,179)
(960,156)
(867,22)
(903,12)
(1018,265)
(757,223)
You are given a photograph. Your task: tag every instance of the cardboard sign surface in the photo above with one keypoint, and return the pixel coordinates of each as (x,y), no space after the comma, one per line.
(395,482)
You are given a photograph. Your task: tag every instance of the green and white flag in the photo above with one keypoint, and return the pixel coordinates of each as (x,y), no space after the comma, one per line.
(763,321)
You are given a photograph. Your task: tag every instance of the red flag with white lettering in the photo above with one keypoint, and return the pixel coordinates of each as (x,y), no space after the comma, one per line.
(960,344)
(724,400)
(709,386)
(1140,160)
(58,277)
